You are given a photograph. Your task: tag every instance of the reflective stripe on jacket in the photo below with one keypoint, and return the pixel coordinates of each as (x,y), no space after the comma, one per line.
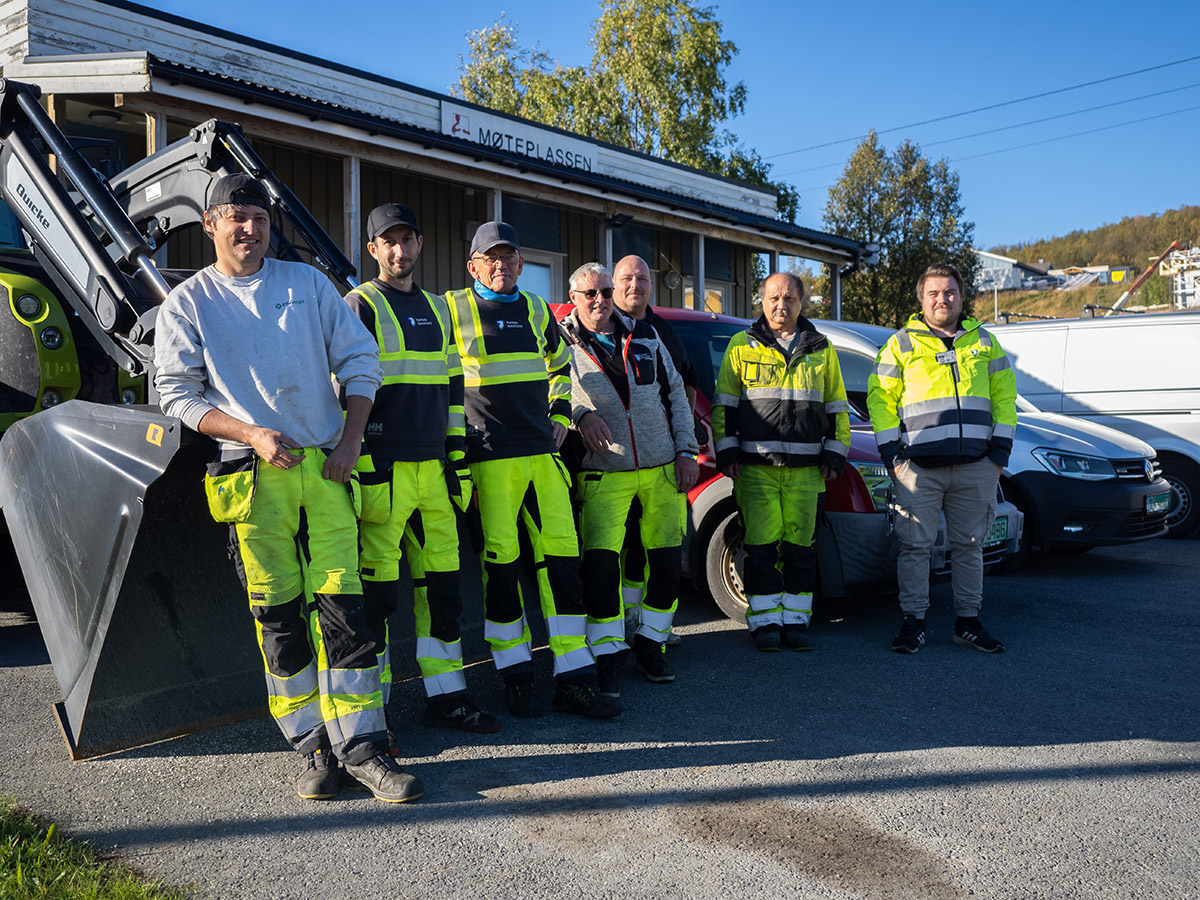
(929,402)
(418,413)
(772,409)
(515,371)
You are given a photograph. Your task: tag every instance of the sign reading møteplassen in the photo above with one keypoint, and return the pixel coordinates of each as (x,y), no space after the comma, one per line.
(517,137)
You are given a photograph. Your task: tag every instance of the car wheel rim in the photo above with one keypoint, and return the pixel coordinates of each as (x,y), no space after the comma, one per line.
(732,560)
(1181,501)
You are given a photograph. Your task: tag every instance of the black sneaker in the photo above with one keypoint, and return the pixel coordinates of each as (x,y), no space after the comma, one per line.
(522,700)
(608,673)
(652,660)
(584,700)
(767,638)
(459,712)
(795,637)
(970,633)
(911,637)
(320,778)
(384,778)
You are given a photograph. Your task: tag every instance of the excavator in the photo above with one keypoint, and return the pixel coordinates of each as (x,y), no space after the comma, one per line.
(142,616)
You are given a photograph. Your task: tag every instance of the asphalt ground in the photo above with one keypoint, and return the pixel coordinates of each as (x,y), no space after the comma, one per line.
(1068,766)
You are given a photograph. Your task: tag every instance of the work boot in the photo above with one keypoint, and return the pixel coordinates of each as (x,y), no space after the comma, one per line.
(383,777)
(767,638)
(584,700)
(522,700)
(458,711)
(795,637)
(320,778)
(608,673)
(652,660)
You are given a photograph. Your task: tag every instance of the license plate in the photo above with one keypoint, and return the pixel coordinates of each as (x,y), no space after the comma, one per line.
(997,533)
(1158,502)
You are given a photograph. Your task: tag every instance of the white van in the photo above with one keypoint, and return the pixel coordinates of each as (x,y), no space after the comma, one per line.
(1136,373)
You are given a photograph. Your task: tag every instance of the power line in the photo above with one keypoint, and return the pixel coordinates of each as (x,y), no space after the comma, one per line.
(1061,137)
(979,109)
(1041,121)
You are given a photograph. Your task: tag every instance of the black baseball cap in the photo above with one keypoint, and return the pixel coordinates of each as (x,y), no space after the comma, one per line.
(493,234)
(240,189)
(384,217)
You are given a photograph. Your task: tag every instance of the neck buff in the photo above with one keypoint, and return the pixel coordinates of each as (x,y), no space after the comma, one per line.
(487,294)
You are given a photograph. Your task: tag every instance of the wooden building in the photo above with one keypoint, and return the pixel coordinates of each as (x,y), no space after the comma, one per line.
(123,80)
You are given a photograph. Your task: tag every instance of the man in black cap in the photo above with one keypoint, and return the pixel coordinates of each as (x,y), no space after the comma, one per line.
(244,350)
(413,468)
(518,407)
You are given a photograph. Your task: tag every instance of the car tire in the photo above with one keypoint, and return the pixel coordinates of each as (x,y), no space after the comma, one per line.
(1183,476)
(723,555)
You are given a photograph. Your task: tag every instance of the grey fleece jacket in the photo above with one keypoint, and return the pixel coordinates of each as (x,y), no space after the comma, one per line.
(648,415)
(261,349)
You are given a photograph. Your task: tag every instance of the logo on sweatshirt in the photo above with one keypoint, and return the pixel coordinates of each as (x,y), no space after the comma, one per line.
(291,301)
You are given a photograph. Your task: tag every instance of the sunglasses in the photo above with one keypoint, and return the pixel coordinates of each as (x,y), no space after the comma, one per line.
(591,293)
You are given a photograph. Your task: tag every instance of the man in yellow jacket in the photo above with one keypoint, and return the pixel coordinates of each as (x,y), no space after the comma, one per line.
(781,424)
(943,405)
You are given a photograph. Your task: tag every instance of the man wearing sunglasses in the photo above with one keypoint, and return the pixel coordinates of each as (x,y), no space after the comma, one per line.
(631,410)
(518,407)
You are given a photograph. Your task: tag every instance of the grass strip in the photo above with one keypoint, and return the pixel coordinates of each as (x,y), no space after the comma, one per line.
(38,862)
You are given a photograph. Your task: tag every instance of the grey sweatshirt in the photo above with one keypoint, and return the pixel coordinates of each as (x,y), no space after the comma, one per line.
(261,349)
(649,415)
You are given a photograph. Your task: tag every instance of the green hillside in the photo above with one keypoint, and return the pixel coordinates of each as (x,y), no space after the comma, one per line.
(1134,241)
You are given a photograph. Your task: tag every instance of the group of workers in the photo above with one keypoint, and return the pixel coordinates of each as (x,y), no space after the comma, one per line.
(445,406)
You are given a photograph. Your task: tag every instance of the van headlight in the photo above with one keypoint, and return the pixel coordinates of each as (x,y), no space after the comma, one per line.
(1075,465)
(879,483)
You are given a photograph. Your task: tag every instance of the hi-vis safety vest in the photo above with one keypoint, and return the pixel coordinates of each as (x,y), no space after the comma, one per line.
(942,403)
(413,367)
(489,357)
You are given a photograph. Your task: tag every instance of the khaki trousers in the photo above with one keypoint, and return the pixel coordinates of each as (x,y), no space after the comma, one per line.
(967,495)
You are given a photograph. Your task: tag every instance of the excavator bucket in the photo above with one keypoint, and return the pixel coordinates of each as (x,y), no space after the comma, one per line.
(143,617)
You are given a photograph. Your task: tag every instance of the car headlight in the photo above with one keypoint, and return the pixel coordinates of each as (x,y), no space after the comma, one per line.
(879,483)
(1075,465)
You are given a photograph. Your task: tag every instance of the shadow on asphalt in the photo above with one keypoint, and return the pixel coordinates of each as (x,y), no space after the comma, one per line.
(1086,662)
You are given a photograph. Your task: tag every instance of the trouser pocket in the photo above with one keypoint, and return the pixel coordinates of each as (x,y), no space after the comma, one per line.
(229,486)
(375,490)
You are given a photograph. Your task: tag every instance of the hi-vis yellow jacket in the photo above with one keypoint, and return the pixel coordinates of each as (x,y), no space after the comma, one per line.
(943,405)
(418,412)
(781,409)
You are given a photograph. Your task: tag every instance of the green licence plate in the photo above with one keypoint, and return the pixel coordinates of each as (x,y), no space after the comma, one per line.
(1158,502)
(997,533)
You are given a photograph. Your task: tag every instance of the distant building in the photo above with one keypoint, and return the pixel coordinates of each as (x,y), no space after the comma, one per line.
(1006,274)
(1080,276)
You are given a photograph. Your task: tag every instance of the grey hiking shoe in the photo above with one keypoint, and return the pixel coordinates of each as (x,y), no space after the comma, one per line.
(320,778)
(383,777)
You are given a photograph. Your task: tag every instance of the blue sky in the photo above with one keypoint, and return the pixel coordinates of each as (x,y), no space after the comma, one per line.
(817,73)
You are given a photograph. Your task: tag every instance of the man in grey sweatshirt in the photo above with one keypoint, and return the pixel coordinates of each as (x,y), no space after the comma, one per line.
(244,350)
(631,411)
